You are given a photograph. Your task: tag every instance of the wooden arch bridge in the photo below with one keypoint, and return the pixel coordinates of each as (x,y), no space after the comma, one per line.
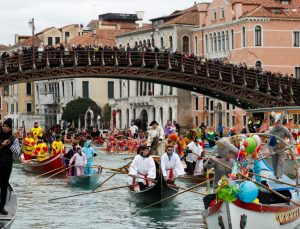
(242,87)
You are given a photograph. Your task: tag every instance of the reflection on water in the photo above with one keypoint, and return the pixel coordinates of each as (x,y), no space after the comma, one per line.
(112,209)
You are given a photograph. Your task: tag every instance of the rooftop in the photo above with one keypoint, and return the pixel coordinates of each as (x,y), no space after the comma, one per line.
(118,16)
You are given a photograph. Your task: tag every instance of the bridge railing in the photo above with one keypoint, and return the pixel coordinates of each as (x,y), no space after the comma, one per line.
(245,77)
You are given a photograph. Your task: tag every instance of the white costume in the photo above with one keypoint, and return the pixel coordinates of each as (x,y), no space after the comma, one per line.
(171,167)
(159,133)
(80,162)
(194,157)
(142,167)
(133,130)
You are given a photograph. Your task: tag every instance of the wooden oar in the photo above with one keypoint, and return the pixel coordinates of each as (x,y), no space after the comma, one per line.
(259,184)
(193,191)
(49,172)
(55,174)
(179,193)
(119,170)
(82,194)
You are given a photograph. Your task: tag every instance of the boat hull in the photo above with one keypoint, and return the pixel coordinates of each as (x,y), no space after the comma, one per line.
(44,166)
(233,215)
(159,191)
(86,182)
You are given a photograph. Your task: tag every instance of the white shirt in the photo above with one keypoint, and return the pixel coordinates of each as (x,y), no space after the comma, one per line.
(173,163)
(79,160)
(142,166)
(133,129)
(196,149)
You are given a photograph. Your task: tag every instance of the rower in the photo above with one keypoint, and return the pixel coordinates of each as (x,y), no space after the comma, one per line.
(142,169)
(171,165)
(155,139)
(57,147)
(36,131)
(89,152)
(41,149)
(194,152)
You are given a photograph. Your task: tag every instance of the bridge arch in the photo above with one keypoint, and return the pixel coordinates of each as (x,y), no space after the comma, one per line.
(243,87)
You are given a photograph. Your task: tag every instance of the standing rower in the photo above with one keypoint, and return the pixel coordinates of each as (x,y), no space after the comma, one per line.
(142,169)
(36,131)
(171,165)
(155,139)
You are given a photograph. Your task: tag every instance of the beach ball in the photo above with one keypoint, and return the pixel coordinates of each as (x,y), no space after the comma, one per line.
(248,192)
(250,145)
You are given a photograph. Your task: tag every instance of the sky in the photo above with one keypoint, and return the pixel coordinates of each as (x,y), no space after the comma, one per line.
(15,14)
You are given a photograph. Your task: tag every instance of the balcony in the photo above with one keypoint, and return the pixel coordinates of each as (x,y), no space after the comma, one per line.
(141,101)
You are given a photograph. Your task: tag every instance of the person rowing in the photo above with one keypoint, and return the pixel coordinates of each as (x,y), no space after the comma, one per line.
(142,170)
(171,165)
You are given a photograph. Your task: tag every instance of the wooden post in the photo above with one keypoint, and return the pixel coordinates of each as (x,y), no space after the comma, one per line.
(19,62)
(61,59)
(244,77)
(156,61)
(195,67)
(102,58)
(256,87)
(116,58)
(279,86)
(291,90)
(268,83)
(181,64)
(47,59)
(129,59)
(231,74)
(143,59)
(89,58)
(75,58)
(206,69)
(169,62)
(220,73)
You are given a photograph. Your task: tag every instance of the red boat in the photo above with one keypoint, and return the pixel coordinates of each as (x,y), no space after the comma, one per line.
(52,163)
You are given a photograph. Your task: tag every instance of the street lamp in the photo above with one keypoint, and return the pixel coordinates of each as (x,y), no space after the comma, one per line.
(32,26)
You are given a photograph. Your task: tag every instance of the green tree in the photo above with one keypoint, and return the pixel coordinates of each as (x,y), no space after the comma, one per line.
(106,115)
(77,108)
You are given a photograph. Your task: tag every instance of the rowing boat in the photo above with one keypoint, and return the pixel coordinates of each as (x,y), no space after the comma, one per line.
(87,181)
(11,207)
(278,206)
(43,166)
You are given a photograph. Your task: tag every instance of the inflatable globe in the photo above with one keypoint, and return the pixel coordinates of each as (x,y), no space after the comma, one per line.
(248,192)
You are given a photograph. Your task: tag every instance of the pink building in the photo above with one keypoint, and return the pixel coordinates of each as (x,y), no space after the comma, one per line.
(259,33)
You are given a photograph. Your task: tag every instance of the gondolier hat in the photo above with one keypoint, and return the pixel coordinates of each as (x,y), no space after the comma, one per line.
(8,122)
(153,122)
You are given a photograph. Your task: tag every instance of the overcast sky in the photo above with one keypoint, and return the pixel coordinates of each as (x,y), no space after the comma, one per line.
(15,14)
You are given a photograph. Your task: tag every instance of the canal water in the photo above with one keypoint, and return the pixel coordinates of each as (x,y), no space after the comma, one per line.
(112,209)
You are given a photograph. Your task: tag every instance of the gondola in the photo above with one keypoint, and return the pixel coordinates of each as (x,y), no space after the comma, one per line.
(160,190)
(48,165)
(86,181)
(11,207)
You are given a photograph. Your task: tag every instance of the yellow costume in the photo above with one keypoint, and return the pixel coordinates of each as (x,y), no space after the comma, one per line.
(41,150)
(36,132)
(28,147)
(57,147)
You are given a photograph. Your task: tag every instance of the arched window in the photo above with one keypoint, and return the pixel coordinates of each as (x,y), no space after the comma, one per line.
(244,36)
(134,114)
(196,45)
(127,118)
(136,88)
(171,91)
(162,42)
(219,41)
(148,43)
(258,65)
(227,40)
(170,114)
(257,35)
(161,115)
(171,43)
(206,43)
(140,43)
(186,44)
(120,119)
(144,43)
(211,42)
(232,39)
(215,42)
(154,113)
(135,44)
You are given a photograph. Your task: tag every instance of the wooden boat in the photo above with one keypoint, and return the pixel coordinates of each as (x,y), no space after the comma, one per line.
(11,207)
(44,166)
(272,211)
(86,181)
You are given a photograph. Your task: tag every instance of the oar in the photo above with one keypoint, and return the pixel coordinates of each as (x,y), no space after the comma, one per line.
(119,170)
(189,189)
(55,174)
(82,194)
(193,191)
(49,172)
(259,184)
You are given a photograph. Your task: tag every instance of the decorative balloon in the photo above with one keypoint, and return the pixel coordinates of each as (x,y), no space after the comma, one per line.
(248,192)
(250,145)
(258,142)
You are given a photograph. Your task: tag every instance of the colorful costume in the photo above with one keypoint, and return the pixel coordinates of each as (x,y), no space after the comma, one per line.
(28,147)
(90,154)
(57,147)
(41,150)
(36,132)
